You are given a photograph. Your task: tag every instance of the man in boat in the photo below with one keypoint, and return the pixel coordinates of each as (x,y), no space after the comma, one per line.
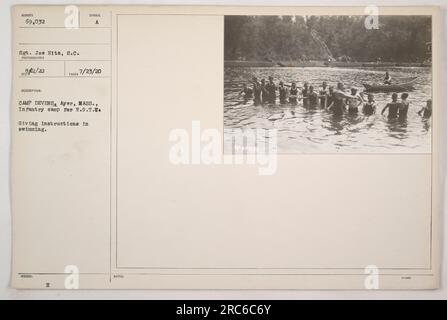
(403,106)
(247,92)
(256,90)
(426,111)
(271,90)
(387,79)
(354,101)
(293,94)
(323,95)
(304,93)
(312,97)
(283,93)
(393,107)
(369,108)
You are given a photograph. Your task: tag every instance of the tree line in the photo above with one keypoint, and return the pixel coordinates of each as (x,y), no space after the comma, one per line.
(303,38)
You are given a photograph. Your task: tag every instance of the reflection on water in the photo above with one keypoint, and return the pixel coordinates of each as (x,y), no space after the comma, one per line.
(304,130)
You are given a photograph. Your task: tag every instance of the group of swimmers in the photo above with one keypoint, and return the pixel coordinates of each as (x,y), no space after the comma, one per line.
(335,100)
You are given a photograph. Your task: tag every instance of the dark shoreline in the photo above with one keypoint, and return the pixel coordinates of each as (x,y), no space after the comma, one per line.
(334,64)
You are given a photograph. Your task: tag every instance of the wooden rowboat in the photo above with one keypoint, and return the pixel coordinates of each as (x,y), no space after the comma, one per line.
(404,84)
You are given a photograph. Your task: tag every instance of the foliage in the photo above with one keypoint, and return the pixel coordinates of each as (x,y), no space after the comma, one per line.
(289,38)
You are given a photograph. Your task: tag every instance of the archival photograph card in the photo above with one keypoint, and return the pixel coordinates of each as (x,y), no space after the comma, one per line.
(175,147)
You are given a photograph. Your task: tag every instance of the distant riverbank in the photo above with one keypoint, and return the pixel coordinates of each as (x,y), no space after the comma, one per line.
(335,64)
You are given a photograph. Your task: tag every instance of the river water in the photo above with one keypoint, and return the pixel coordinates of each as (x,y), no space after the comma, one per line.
(303,130)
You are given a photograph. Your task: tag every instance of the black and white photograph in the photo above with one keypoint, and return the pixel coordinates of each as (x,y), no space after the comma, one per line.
(330,84)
